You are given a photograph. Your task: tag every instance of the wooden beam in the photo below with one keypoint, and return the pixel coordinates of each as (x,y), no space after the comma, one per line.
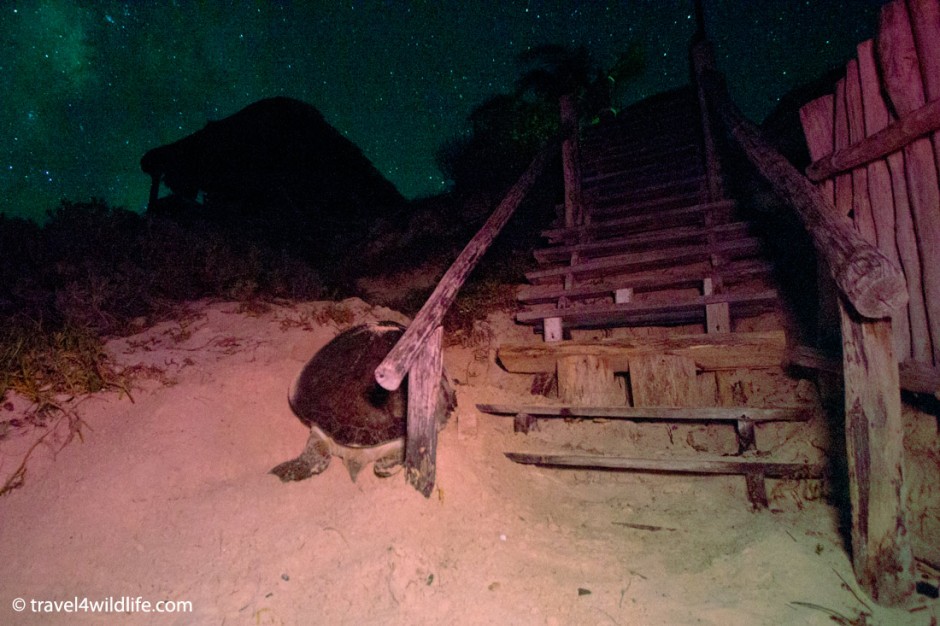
(894,137)
(393,369)
(710,352)
(677,466)
(656,258)
(654,413)
(690,311)
(666,218)
(630,242)
(681,278)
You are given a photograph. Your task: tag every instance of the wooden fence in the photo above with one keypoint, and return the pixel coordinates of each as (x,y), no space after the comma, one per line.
(876,159)
(871,290)
(876,150)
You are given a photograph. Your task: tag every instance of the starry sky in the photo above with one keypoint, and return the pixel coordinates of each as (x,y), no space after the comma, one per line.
(90,85)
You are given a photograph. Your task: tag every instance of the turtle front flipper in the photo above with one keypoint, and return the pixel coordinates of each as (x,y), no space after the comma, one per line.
(313,460)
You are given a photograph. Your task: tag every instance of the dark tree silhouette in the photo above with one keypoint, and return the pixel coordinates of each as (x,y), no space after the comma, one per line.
(507,129)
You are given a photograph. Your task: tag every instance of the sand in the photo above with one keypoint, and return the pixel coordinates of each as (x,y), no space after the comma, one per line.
(166,496)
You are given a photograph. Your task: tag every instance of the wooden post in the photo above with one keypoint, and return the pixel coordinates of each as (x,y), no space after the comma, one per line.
(706,58)
(424,390)
(881,546)
(571,163)
(881,549)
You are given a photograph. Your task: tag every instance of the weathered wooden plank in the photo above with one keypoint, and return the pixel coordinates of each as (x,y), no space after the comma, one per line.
(677,466)
(424,384)
(861,201)
(897,57)
(672,278)
(623,263)
(636,208)
(660,237)
(664,190)
(654,413)
(663,380)
(690,311)
(817,118)
(919,123)
(393,369)
(709,352)
(686,214)
(881,191)
(589,379)
(625,181)
(652,167)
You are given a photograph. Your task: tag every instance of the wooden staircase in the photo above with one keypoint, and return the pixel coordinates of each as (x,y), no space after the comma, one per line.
(652,246)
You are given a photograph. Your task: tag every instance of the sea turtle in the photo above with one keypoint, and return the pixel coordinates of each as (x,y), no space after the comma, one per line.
(349,414)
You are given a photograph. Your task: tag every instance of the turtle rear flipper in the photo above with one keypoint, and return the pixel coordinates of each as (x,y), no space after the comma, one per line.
(313,460)
(389,465)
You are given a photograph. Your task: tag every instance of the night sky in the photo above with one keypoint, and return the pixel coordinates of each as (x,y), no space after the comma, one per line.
(91,85)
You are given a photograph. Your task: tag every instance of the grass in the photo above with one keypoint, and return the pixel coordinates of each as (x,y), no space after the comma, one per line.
(40,364)
(42,367)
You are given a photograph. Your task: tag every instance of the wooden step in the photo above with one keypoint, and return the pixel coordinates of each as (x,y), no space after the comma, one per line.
(754,470)
(601,200)
(685,235)
(664,414)
(638,207)
(709,352)
(526,417)
(680,278)
(685,215)
(635,186)
(665,257)
(657,171)
(691,311)
(594,164)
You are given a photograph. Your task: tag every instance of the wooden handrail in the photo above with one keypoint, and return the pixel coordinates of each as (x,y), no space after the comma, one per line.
(873,285)
(394,368)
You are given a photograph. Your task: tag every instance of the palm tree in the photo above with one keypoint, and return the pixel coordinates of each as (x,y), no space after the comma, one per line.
(556,70)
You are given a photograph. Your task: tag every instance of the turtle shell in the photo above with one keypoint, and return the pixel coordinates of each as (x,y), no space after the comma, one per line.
(337,391)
